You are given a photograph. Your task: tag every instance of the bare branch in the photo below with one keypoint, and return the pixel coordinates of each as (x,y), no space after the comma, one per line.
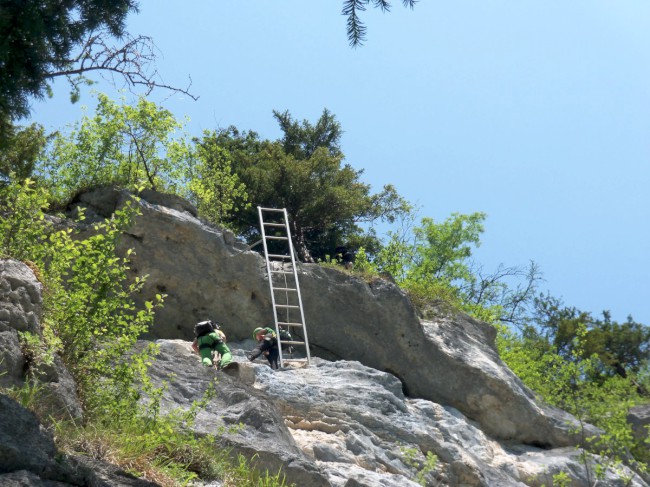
(493,289)
(133,61)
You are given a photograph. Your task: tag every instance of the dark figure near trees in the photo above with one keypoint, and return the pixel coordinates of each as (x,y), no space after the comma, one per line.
(344,256)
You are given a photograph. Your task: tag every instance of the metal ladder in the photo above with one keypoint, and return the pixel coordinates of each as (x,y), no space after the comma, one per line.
(283,282)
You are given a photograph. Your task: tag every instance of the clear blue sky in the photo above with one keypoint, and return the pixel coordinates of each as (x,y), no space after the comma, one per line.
(536,113)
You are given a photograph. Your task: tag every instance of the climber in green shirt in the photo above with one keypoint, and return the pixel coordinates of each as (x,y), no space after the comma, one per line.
(267,345)
(210,339)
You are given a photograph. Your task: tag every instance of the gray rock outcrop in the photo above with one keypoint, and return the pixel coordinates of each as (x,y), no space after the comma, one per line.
(28,456)
(21,305)
(344,424)
(384,389)
(26,445)
(21,298)
(264,434)
(639,418)
(207,273)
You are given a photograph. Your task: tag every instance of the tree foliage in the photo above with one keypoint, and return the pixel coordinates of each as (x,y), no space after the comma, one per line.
(23,227)
(442,249)
(568,382)
(129,146)
(301,140)
(21,148)
(217,191)
(304,172)
(37,38)
(44,39)
(142,146)
(622,348)
(433,262)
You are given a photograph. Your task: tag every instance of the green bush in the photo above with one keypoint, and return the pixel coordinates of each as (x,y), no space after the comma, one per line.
(570,385)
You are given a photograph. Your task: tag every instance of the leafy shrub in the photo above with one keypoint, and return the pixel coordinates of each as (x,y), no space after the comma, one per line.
(570,385)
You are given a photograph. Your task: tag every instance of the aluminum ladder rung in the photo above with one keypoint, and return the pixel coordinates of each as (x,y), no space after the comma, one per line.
(288,306)
(284,323)
(275,210)
(278,256)
(296,360)
(292,342)
(284,289)
(281,272)
(276,238)
(277,225)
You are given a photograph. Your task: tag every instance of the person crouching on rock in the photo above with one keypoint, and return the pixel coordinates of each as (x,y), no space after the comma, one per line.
(210,339)
(267,345)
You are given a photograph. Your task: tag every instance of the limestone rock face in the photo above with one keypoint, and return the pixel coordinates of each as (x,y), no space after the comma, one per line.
(639,418)
(28,456)
(13,361)
(452,361)
(342,424)
(20,311)
(400,388)
(206,273)
(264,433)
(24,443)
(20,297)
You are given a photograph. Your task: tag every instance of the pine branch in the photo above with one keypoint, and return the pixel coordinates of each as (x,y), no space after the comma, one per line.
(355,29)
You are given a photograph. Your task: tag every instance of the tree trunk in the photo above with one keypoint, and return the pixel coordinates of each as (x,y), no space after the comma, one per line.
(300,246)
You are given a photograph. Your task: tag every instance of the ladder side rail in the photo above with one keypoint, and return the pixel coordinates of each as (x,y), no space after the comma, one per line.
(295,277)
(287,307)
(268,270)
(293,265)
(268,267)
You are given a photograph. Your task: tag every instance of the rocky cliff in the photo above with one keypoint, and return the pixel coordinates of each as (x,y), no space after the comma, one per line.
(383,383)
(206,273)
(28,456)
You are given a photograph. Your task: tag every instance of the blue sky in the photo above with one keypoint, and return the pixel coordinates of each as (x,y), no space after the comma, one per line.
(536,113)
